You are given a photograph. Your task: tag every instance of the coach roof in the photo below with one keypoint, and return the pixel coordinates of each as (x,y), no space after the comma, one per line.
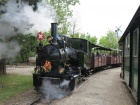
(134,21)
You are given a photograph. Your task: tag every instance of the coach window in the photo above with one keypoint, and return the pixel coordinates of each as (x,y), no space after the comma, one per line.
(135,45)
(127,45)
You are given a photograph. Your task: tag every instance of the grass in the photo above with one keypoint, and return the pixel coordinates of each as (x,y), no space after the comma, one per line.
(12,85)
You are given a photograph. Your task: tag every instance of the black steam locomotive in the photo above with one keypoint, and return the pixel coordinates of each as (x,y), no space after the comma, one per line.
(69,59)
(59,61)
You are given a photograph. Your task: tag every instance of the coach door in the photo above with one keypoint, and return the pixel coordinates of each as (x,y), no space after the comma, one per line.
(135,60)
(127,59)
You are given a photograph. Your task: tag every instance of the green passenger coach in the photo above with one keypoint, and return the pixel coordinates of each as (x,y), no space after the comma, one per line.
(130,43)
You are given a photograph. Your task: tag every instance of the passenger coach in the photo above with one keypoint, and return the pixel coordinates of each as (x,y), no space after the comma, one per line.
(131,56)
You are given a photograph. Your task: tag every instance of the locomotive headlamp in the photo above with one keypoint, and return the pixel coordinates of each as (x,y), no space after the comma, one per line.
(61,70)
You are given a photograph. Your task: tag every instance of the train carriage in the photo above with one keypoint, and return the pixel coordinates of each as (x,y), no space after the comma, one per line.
(100,60)
(96,62)
(108,60)
(116,57)
(131,56)
(113,60)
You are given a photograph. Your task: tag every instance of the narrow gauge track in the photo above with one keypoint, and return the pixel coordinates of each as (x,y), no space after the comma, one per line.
(36,101)
(40,99)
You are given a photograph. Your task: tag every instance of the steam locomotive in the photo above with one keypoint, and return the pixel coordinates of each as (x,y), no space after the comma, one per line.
(68,59)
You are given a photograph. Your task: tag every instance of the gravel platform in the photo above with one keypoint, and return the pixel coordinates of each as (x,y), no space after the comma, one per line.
(102,88)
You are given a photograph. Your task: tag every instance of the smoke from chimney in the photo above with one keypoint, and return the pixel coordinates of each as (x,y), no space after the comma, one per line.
(21,18)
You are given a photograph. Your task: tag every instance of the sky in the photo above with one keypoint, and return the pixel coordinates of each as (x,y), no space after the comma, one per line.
(99,16)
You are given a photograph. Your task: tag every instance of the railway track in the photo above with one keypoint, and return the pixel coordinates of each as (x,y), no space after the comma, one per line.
(36,101)
(40,99)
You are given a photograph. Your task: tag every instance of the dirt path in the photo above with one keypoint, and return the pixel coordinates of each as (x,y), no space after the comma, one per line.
(20,69)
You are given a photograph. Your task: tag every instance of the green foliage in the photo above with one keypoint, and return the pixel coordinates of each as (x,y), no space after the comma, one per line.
(93,39)
(63,11)
(83,36)
(28,45)
(76,35)
(109,40)
(88,37)
(2,2)
(13,85)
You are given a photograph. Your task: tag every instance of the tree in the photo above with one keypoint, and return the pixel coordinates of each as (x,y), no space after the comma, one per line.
(93,39)
(28,45)
(2,66)
(109,40)
(2,2)
(87,36)
(73,24)
(83,36)
(2,61)
(63,12)
(75,35)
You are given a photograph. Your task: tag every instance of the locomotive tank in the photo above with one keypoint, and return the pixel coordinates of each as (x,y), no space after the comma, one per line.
(56,61)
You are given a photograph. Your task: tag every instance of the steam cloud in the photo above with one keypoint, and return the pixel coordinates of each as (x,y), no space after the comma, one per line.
(52,91)
(20,18)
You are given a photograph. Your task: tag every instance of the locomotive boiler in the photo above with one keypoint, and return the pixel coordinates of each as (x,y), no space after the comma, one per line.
(57,61)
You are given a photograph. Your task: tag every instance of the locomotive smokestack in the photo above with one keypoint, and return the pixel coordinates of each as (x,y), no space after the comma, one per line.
(54,32)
